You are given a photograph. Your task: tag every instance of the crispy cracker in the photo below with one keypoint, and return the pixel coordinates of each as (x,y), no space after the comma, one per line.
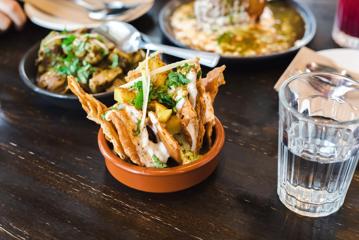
(207,91)
(168,140)
(213,80)
(189,118)
(200,109)
(94,110)
(144,159)
(116,117)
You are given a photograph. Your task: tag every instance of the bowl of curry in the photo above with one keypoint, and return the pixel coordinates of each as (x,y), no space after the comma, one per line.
(232,30)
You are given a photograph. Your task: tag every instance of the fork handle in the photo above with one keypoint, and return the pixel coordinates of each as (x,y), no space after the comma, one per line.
(206,58)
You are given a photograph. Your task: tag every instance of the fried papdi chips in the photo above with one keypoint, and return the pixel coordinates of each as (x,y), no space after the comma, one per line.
(95,109)
(163,111)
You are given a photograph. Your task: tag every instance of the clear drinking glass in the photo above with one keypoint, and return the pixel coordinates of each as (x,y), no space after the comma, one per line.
(346,25)
(318,142)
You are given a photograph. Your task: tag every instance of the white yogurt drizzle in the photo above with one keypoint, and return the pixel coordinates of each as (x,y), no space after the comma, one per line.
(192,87)
(159,148)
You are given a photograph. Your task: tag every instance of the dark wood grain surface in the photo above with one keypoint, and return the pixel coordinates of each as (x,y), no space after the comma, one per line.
(54,185)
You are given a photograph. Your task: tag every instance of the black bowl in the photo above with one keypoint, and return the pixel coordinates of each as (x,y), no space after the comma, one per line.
(28,74)
(301,8)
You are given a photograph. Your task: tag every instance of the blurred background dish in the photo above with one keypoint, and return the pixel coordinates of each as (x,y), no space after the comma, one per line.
(63,14)
(28,74)
(96,62)
(284,27)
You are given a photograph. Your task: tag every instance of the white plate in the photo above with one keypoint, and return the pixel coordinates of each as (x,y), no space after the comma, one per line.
(343,57)
(55,23)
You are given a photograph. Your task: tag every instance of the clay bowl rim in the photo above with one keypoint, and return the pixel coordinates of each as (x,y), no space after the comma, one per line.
(206,158)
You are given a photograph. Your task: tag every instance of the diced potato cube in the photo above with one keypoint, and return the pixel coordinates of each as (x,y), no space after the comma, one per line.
(162,112)
(154,63)
(173,125)
(122,95)
(159,107)
(164,115)
(159,79)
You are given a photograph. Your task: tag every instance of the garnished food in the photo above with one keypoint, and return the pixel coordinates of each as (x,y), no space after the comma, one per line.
(95,62)
(238,27)
(163,113)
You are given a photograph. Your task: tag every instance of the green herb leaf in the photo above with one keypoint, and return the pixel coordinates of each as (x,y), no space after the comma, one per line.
(84,72)
(176,79)
(73,66)
(68,66)
(184,69)
(157,163)
(166,99)
(62,70)
(80,48)
(138,101)
(66,44)
(162,96)
(114,61)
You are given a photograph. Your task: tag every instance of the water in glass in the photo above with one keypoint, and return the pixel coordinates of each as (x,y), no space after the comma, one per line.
(318,143)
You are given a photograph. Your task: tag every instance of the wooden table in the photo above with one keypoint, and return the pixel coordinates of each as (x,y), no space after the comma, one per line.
(54,185)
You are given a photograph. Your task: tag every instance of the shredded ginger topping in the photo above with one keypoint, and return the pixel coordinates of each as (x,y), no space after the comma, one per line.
(146,83)
(159,70)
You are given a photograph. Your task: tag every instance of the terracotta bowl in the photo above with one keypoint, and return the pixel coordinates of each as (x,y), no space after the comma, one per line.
(162,180)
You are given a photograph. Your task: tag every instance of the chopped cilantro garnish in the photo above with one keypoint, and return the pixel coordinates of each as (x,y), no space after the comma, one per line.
(84,72)
(166,99)
(71,65)
(184,69)
(157,163)
(176,79)
(115,61)
(103,52)
(80,48)
(66,44)
(74,65)
(161,95)
(62,67)
(138,101)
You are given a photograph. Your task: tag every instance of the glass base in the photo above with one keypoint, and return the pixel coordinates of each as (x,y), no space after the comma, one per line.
(308,209)
(344,40)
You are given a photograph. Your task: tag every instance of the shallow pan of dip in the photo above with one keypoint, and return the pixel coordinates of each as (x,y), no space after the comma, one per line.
(305,13)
